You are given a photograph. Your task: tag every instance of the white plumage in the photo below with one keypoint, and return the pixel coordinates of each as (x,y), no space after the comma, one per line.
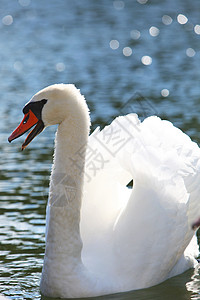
(145,231)
(128,238)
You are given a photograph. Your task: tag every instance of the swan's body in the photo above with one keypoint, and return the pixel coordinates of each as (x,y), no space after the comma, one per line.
(102,237)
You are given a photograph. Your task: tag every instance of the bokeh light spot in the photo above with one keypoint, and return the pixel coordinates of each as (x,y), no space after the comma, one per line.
(7,20)
(165,92)
(146,60)
(18,66)
(182,19)
(127,51)
(60,67)
(190,52)
(119,5)
(154,31)
(135,34)
(167,20)
(114,44)
(197,29)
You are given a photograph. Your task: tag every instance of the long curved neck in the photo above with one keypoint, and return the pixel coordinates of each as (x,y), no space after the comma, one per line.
(63,242)
(66,183)
(68,166)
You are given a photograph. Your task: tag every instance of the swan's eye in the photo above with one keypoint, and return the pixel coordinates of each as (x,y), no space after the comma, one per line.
(26,119)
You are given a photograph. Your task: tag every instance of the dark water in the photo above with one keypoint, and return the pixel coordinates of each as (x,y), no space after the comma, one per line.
(155,68)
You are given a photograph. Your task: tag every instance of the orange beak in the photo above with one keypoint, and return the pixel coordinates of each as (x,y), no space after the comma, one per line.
(28,122)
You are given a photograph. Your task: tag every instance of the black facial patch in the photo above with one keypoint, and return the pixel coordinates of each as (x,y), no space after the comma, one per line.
(35,107)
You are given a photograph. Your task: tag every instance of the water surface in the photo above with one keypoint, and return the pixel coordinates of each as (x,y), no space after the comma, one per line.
(125,56)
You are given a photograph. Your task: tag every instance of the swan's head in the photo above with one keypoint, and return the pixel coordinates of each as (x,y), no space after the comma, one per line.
(52,105)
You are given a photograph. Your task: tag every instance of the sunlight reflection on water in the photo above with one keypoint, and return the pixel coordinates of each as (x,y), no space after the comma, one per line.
(113,51)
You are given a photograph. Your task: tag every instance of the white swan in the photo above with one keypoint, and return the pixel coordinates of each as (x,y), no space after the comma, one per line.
(102,237)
